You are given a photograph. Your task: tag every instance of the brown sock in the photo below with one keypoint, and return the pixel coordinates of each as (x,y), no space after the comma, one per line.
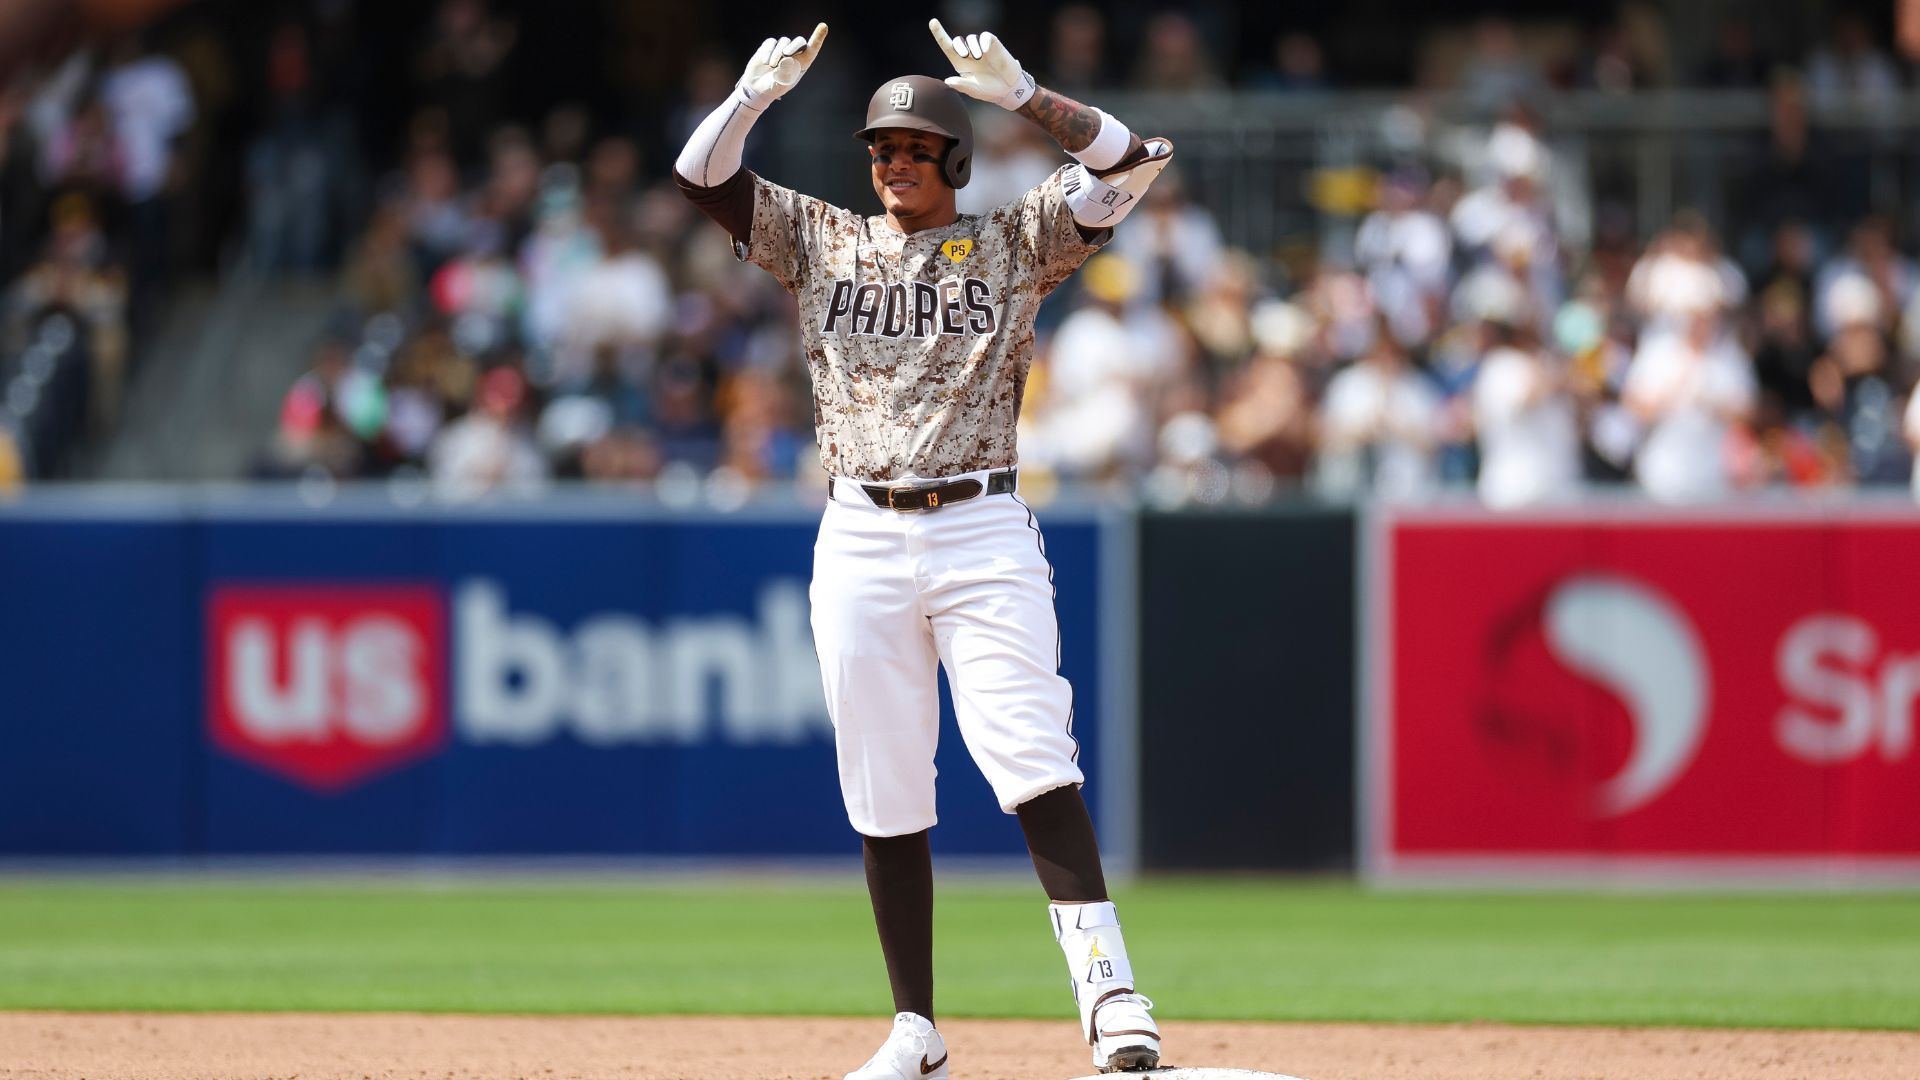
(1060,839)
(900,884)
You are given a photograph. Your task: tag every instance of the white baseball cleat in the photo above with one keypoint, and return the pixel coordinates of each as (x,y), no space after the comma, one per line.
(913,1051)
(1125,1037)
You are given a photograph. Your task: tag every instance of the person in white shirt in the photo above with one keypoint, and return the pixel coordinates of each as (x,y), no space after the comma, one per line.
(1379,427)
(1102,366)
(152,104)
(1689,390)
(488,451)
(1406,253)
(624,300)
(1529,432)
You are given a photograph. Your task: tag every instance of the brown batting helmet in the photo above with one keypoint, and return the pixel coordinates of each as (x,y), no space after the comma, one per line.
(925,104)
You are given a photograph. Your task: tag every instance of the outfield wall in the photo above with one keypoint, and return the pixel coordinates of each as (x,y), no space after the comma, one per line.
(1614,691)
(191,675)
(1626,691)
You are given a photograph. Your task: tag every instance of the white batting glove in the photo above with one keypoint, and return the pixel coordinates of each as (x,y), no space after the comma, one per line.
(987,71)
(777,65)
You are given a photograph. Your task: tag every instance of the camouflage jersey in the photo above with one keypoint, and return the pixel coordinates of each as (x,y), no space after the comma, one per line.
(918,344)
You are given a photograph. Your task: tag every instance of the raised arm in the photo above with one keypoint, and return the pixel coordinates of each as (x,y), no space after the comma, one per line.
(1116,166)
(708,168)
(1077,128)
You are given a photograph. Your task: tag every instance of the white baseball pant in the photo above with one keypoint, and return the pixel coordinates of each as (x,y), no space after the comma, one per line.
(967,586)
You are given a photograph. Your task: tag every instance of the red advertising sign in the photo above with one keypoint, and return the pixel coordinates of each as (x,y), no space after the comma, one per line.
(327,685)
(1642,688)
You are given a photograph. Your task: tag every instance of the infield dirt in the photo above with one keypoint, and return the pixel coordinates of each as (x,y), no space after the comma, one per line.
(149,1046)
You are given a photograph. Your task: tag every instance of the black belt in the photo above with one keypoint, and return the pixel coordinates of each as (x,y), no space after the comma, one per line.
(934,496)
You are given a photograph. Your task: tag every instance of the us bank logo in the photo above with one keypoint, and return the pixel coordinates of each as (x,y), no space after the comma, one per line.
(329,687)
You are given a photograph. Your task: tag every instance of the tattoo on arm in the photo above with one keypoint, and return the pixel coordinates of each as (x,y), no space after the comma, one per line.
(1071,124)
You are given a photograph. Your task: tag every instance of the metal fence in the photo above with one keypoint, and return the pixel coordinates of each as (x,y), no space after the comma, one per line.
(1280,169)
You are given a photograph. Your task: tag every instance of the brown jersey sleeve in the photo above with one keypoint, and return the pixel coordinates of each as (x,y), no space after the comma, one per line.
(729,203)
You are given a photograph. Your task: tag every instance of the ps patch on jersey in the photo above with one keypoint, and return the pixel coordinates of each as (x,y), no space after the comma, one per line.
(957,250)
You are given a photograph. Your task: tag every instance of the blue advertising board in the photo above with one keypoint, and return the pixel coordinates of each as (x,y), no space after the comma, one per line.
(573,678)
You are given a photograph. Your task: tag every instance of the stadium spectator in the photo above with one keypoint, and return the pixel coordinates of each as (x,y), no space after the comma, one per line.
(87,153)
(1011,157)
(1681,270)
(151,104)
(313,436)
(621,300)
(1407,254)
(760,442)
(488,451)
(1174,58)
(296,166)
(1526,420)
(1299,66)
(1794,178)
(1077,52)
(1497,76)
(1689,389)
(1094,417)
(1871,257)
(1854,385)
(1783,359)
(1593,333)
(76,274)
(1851,69)
(1505,226)
(1219,316)
(1174,243)
(1379,427)
(461,70)
(438,220)
(1266,416)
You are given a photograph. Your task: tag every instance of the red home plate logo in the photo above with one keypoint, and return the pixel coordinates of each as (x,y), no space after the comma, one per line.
(326,686)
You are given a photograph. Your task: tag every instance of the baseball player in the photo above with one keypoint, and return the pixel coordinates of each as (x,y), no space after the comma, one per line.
(918,331)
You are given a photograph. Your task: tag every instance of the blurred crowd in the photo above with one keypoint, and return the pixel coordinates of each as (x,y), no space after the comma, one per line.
(88,176)
(524,298)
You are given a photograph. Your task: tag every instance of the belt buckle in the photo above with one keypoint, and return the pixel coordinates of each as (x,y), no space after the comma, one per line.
(933,499)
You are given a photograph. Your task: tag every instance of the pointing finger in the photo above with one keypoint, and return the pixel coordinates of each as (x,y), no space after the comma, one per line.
(947,42)
(819,38)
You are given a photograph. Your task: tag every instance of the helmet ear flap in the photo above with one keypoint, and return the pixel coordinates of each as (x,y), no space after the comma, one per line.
(956,167)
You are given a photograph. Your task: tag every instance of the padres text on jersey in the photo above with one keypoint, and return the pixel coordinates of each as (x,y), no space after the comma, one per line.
(918,344)
(916,309)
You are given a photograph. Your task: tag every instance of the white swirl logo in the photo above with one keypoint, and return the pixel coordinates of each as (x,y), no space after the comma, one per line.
(1636,643)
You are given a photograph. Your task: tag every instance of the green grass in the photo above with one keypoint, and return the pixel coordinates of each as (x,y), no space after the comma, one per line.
(1237,949)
